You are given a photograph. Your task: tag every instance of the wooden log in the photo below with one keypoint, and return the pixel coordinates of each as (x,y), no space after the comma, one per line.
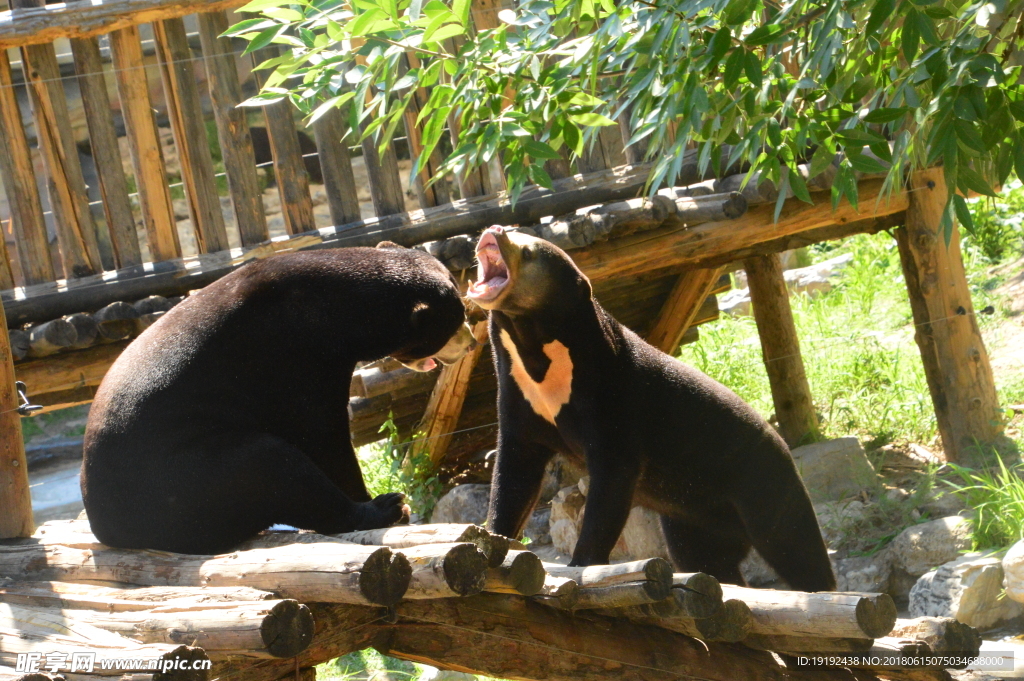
(336,163)
(68,371)
(731,623)
(116,321)
(20,185)
(445,570)
(86,329)
(494,546)
(152,304)
(385,180)
(185,112)
(77,596)
(780,349)
(756,191)
(232,128)
(944,635)
(105,152)
(800,645)
(682,603)
(368,383)
(697,189)
(655,571)
(69,201)
(520,573)
(277,628)
(614,596)
(144,145)
(444,407)
(319,572)
(701,208)
(44,25)
(15,497)
(6,264)
(144,321)
(826,614)
(289,168)
(64,399)
(19,342)
(955,360)
(680,310)
(53,336)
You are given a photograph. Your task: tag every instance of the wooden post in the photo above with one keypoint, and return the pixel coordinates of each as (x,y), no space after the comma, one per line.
(336,164)
(437,193)
(186,114)
(144,144)
(446,400)
(232,128)
(105,152)
(289,168)
(679,311)
(955,361)
(385,180)
(20,185)
(780,346)
(15,499)
(76,230)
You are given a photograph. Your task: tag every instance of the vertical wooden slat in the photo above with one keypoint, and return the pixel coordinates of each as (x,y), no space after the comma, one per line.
(385,180)
(232,129)
(336,165)
(679,310)
(6,272)
(15,498)
(475,182)
(186,116)
(956,363)
(437,193)
(105,151)
(289,169)
(791,394)
(20,185)
(144,144)
(69,201)
(634,154)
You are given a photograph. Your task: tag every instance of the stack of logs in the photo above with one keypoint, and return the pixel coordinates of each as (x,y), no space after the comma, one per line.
(454,596)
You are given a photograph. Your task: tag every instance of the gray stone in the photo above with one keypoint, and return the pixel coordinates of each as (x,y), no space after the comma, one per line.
(566,516)
(836,518)
(921,548)
(871,574)
(968,589)
(463,504)
(538,526)
(757,572)
(1013,569)
(834,469)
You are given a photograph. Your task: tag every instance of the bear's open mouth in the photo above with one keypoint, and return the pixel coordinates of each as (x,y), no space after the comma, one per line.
(492,272)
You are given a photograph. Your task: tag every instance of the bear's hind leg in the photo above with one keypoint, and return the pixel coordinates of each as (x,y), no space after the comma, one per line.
(713,546)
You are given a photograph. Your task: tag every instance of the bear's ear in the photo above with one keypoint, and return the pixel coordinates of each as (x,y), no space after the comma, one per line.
(389,244)
(419,315)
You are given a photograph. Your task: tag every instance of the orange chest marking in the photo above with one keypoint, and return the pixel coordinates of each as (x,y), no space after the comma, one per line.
(549,395)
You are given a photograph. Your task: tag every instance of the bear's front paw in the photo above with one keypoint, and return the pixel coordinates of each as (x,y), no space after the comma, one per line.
(385,510)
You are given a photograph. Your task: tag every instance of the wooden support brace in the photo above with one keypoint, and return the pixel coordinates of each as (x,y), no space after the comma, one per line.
(15,499)
(780,347)
(144,144)
(105,152)
(20,185)
(194,156)
(956,363)
(232,128)
(679,311)
(445,405)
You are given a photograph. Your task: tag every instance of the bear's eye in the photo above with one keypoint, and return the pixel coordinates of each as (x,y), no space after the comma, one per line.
(527,253)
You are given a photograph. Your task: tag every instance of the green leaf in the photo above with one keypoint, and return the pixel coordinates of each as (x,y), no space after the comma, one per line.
(737,11)
(734,67)
(879,13)
(765,35)
(247,26)
(774,132)
(970,179)
(283,14)
(865,164)
(591,119)
(821,160)
(330,104)
(443,33)
(968,135)
(361,23)
(886,114)
(460,8)
(262,39)
(963,213)
(752,67)
(858,137)
(261,5)
(540,176)
(946,223)
(539,149)
(796,181)
(911,36)
(573,138)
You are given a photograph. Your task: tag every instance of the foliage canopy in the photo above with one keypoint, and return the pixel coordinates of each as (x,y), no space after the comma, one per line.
(892,85)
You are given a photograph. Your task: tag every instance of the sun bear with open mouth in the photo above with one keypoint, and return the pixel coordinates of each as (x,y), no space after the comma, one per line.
(648,429)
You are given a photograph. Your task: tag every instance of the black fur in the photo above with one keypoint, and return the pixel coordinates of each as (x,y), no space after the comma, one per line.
(230,413)
(649,430)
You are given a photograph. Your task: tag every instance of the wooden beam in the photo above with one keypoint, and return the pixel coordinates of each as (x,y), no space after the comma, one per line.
(186,114)
(956,362)
(445,405)
(83,19)
(232,128)
(15,499)
(20,185)
(780,348)
(679,311)
(68,371)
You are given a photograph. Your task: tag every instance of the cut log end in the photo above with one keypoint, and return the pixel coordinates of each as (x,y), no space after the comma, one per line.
(465,569)
(185,664)
(385,577)
(731,624)
(734,206)
(288,629)
(521,573)
(876,616)
(494,546)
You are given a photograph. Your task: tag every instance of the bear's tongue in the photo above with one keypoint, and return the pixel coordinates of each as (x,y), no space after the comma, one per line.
(492,273)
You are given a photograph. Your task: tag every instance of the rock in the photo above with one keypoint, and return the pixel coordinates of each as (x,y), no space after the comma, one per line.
(942,503)
(811,280)
(435,674)
(871,574)
(968,589)
(538,526)
(833,469)
(921,548)
(463,504)
(837,518)
(757,572)
(1013,568)
(566,516)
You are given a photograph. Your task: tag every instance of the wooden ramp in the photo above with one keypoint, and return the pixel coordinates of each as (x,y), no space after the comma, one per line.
(453,596)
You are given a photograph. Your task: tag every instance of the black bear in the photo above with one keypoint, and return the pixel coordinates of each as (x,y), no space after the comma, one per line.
(230,415)
(648,429)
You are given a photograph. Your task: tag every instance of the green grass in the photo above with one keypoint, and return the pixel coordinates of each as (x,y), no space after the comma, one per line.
(996,496)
